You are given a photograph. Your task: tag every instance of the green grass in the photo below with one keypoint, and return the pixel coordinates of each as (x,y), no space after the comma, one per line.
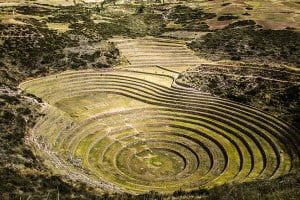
(128,130)
(118,133)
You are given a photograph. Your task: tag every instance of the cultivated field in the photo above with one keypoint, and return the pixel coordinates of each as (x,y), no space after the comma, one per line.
(170,99)
(134,129)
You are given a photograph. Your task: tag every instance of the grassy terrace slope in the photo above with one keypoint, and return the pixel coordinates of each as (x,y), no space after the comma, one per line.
(125,108)
(149,52)
(131,129)
(274,90)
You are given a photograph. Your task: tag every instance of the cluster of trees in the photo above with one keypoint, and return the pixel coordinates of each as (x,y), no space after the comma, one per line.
(251,43)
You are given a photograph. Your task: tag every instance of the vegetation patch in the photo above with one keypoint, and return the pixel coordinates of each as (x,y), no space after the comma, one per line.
(255,45)
(144,136)
(227,17)
(105,133)
(271,90)
(190,18)
(29,51)
(22,173)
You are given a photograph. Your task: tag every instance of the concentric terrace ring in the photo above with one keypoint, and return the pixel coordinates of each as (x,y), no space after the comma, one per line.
(175,139)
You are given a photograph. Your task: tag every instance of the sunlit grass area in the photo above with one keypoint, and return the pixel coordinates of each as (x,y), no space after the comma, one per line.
(133,132)
(149,99)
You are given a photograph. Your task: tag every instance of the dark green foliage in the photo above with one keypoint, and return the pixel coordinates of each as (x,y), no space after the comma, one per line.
(225,4)
(199,192)
(249,44)
(242,23)
(140,9)
(182,14)
(197,26)
(37,10)
(227,17)
(22,174)
(16,116)
(283,188)
(40,51)
(189,18)
(71,14)
(246,14)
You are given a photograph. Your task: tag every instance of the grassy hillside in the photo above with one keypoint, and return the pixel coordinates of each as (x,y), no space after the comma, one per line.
(41,38)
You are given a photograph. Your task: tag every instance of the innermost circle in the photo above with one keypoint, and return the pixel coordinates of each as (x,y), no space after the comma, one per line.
(157,163)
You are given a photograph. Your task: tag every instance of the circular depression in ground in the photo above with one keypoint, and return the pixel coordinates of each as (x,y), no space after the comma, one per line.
(119,131)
